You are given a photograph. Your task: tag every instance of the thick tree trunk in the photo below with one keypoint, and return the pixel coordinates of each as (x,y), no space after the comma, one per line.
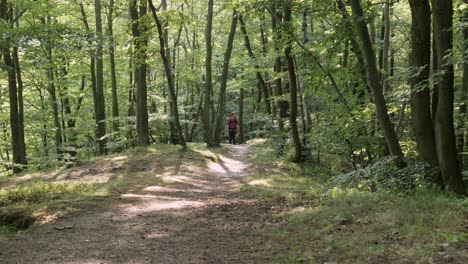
(220,124)
(115,101)
(261,82)
(293,87)
(420,95)
(208,77)
(17,137)
(374,84)
(100,99)
(444,129)
(169,76)
(462,129)
(140,42)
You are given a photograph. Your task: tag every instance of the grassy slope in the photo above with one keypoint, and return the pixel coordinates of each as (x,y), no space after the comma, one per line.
(319,224)
(46,196)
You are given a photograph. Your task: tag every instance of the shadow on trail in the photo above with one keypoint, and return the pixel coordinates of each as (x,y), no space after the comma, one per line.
(190,213)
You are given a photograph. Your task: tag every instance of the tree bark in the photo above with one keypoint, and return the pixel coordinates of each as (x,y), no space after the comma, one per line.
(100,99)
(16,123)
(292,86)
(462,129)
(374,84)
(208,76)
(241,116)
(260,80)
(420,59)
(115,101)
(169,76)
(220,125)
(444,129)
(140,42)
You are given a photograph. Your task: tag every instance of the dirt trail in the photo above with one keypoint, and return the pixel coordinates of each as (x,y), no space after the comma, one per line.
(200,217)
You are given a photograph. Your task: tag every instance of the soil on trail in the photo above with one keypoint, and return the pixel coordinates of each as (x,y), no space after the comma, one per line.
(198,216)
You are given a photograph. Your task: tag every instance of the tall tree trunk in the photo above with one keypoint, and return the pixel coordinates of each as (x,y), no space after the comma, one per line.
(444,128)
(462,129)
(374,84)
(54,102)
(92,66)
(386,47)
(169,76)
(420,97)
(282,104)
(208,76)
(140,43)
(292,86)
(115,101)
(241,116)
(100,99)
(261,82)
(219,127)
(16,121)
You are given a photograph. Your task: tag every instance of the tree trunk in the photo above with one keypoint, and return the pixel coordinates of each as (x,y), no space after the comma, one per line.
(16,123)
(374,84)
(292,86)
(140,41)
(169,76)
(115,101)
(100,99)
(420,98)
(208,77)
(241,116)
(444,129)
(220,124)
(386,47)
(261,82)
(462,129)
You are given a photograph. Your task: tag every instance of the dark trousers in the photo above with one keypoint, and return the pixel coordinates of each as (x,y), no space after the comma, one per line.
(232,136)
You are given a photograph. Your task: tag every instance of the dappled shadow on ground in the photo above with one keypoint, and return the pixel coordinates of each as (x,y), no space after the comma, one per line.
(184,209)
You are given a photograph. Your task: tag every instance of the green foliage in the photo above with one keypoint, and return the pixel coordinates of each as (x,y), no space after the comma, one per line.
(340,217)
(39,192)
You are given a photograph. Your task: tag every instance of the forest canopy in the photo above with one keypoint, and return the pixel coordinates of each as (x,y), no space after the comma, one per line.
(353,84)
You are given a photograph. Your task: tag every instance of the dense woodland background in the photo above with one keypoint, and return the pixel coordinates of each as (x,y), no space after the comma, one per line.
(345,83)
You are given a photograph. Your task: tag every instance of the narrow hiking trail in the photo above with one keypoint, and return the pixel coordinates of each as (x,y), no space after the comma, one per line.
(197,216)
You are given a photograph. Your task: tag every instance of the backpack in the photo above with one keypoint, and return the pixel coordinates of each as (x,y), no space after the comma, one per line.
(232,124)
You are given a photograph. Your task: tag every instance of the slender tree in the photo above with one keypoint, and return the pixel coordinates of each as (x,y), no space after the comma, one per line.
(444,129)
(293,86)
(374,84)
(219,126)
(115,101)
(169,76)
(261,81)
(208,76)
(100,99)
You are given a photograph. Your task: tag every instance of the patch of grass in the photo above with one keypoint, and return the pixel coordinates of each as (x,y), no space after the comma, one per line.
(19,205)
(319,223)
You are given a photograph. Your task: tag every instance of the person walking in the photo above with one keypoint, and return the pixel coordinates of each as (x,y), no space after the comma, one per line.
(233,128)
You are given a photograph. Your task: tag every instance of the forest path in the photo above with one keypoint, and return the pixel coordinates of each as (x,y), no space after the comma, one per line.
(197,216)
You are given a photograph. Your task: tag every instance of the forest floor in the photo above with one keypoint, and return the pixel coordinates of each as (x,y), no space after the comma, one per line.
(167,207)
(235,204)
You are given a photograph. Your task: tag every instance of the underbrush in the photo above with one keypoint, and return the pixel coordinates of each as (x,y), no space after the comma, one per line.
(357,218)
